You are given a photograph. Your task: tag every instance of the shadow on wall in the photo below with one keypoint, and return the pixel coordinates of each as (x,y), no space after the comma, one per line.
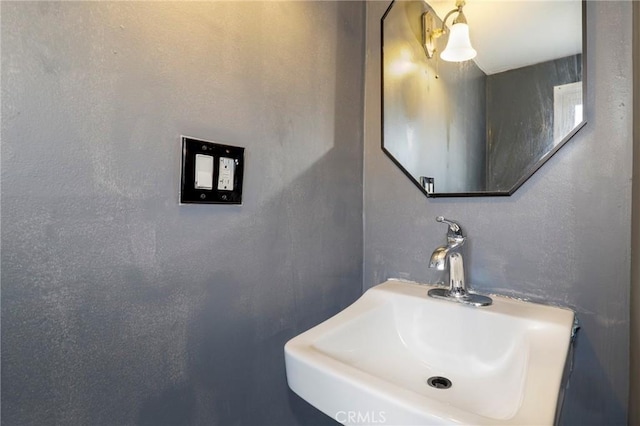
(223,364)
(234,344)
(230,379)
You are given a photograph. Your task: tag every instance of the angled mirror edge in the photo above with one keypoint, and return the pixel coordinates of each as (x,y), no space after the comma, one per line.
(585,112)
(406,172)
(386,12)
(548,156)
(534,168)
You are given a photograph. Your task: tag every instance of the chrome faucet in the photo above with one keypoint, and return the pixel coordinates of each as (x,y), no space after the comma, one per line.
(450,254)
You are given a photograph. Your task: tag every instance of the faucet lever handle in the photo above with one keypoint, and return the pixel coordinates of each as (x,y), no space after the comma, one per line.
(454,234)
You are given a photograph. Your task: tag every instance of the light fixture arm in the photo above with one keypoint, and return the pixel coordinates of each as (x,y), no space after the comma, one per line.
(459,19)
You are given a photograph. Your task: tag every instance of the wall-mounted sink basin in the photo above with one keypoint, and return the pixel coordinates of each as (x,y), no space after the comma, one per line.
(371,363)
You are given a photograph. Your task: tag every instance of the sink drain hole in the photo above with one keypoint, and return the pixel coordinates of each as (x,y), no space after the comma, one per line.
(439,382)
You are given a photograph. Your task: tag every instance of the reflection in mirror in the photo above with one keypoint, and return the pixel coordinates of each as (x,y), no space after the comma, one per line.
(481,126)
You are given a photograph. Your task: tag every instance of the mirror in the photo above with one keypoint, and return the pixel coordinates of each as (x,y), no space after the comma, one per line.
(483,126)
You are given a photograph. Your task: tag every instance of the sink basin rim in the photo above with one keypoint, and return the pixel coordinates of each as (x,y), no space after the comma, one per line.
(301,352)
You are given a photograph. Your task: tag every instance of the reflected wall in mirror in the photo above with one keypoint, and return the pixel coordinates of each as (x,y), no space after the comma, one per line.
(483,126)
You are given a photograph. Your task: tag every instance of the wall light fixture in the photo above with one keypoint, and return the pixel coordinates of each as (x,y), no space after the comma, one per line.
(458,47)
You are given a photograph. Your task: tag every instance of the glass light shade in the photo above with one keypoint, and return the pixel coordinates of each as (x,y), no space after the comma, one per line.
(459,45)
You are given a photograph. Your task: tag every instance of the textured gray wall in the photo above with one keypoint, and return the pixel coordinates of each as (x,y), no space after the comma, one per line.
(563,237)
(520,118)
(118,305)
(634,391)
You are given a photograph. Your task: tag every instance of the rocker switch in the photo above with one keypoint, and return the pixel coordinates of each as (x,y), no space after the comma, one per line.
(204,172)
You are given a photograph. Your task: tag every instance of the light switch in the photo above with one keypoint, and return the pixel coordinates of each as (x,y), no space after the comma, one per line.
(204,172)
(212,173)
(225,175)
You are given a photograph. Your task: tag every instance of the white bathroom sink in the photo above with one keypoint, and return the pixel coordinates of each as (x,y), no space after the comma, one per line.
(370,363)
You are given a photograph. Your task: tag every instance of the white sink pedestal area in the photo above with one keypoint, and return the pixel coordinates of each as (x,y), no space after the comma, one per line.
(370,363)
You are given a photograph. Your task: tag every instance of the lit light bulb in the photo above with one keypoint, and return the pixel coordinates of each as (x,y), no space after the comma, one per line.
(459,45)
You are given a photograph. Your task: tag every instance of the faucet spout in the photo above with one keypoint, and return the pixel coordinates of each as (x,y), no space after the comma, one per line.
(439,258)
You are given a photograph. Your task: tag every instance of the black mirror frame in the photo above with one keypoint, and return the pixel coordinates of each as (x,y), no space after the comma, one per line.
(534,168)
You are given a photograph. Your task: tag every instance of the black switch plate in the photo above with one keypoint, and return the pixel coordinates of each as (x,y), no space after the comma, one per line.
(189,193)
